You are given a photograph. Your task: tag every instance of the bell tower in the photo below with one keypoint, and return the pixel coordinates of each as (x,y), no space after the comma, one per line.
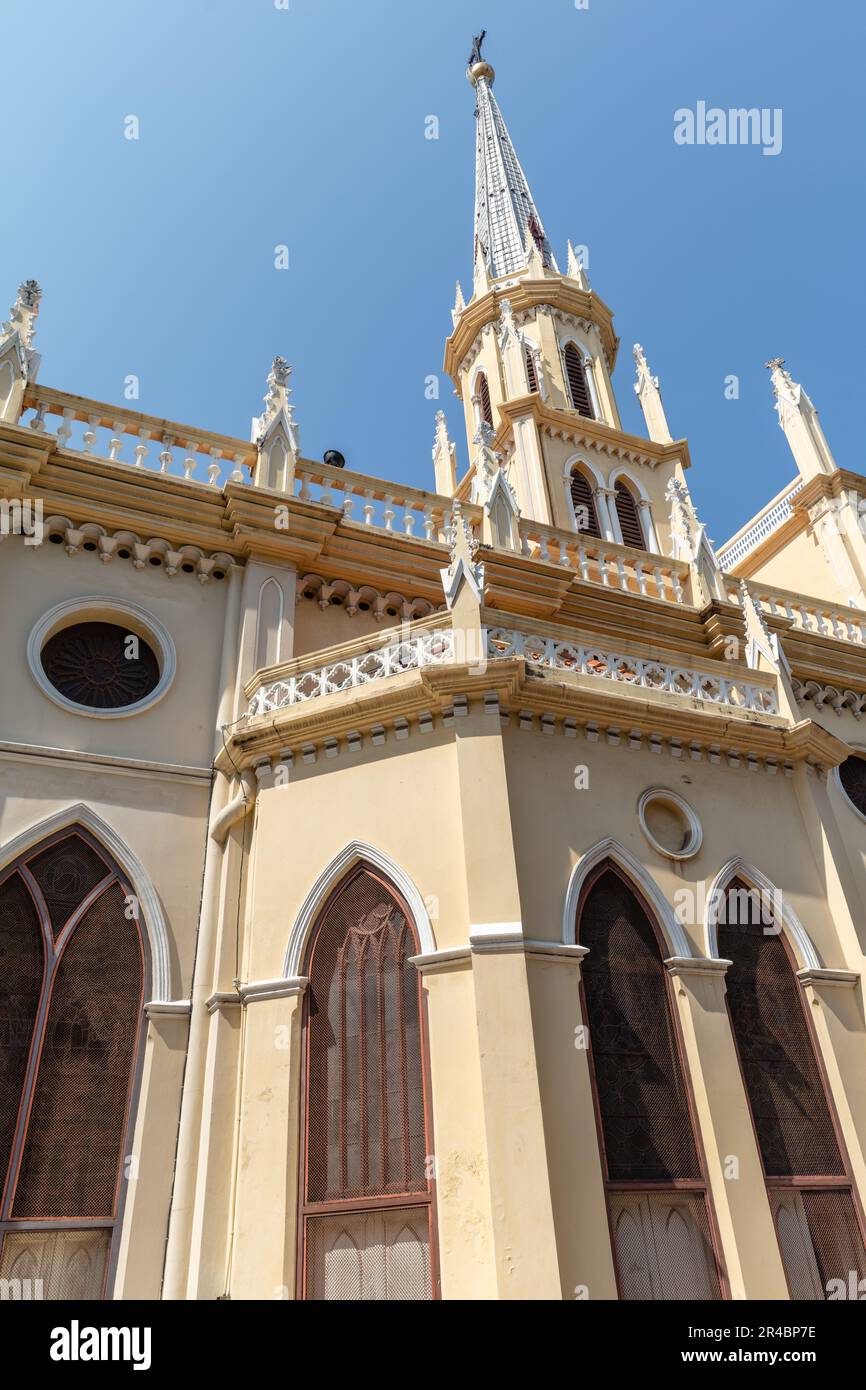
(531,355)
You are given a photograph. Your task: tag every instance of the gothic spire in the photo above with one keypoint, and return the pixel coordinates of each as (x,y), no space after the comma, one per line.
(506,218)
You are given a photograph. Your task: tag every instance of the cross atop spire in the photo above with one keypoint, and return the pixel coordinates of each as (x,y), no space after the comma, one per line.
(506,218)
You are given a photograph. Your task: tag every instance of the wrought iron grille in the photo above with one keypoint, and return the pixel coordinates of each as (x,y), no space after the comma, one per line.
(641,1093)
(789,1105)
(819,1232)
(89,663)
(820,1240)
(56,1264)
(66,872)
(21,970)
(71,990)
(366,1138)
(369,1255)
(656,1188)
(663,1246)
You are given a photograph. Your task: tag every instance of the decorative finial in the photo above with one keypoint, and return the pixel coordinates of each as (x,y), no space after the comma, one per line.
(280,371)
(22,315)
(774,362)
(29,294)
(479,66)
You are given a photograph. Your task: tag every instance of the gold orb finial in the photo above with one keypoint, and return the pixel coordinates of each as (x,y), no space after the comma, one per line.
(482,69)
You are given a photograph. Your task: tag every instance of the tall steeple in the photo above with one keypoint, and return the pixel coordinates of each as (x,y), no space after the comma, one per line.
(509,234)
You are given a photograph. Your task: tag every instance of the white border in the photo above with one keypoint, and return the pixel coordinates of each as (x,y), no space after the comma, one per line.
(154,918)
(93,607)
(355,852)
(695,827)
(678,943)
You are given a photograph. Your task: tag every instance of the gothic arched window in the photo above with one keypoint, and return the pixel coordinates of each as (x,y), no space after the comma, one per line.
(852,775)
(483,392)
(653,1170)
(578,386)
(808,1183)
(629,519)
(72,977)
(366,1192)
(583,502)
(531,373)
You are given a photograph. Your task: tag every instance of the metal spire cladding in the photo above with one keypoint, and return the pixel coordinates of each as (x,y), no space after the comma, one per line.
(508,228)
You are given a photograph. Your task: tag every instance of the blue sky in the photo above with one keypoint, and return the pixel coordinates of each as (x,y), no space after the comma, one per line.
(262,126)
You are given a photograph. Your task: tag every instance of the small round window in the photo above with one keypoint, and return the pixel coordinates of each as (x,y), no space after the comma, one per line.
(100,665)
(669,823)
(852,775)
(102,657)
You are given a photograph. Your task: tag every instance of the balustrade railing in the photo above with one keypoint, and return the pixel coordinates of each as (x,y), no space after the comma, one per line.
(807,614)
(378,503)
(708,687)
(433,642)
(363,663)
(613,566)
(142,441)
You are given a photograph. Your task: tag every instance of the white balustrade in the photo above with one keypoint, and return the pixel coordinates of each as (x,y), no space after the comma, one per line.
(127,437)
(605,563)
(431,648)
(708,687)
(807,614)
(386,507)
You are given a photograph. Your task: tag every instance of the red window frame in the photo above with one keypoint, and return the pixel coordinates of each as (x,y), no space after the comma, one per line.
(54,944)
(815,1182)
(308,1209)
(698,1186)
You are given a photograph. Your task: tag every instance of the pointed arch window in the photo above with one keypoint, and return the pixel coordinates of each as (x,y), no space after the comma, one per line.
(483,392)
(578,385)
(72,977)
(531,373)
(583,502)
(812,1200)
(366,1197)
(628,516)
(655,1183)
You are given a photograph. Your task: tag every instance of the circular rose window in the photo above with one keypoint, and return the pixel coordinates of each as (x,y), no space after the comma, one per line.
(101,657)
(100,665)
(852,775)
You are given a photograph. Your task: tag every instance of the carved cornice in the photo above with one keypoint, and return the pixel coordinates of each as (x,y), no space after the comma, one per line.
(558,291)
(593,434)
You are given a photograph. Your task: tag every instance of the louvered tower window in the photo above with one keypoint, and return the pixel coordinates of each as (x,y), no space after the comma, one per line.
(531,374)
(366,1196)
(484,397)
(583,502)
(654,1179)
(578,385)
(71,990)
(808,1183)
(629,520)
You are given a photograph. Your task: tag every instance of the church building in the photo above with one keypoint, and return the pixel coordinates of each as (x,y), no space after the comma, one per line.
(418,894)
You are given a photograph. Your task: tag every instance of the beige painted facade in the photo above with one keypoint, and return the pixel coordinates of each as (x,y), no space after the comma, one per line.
(467,691)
